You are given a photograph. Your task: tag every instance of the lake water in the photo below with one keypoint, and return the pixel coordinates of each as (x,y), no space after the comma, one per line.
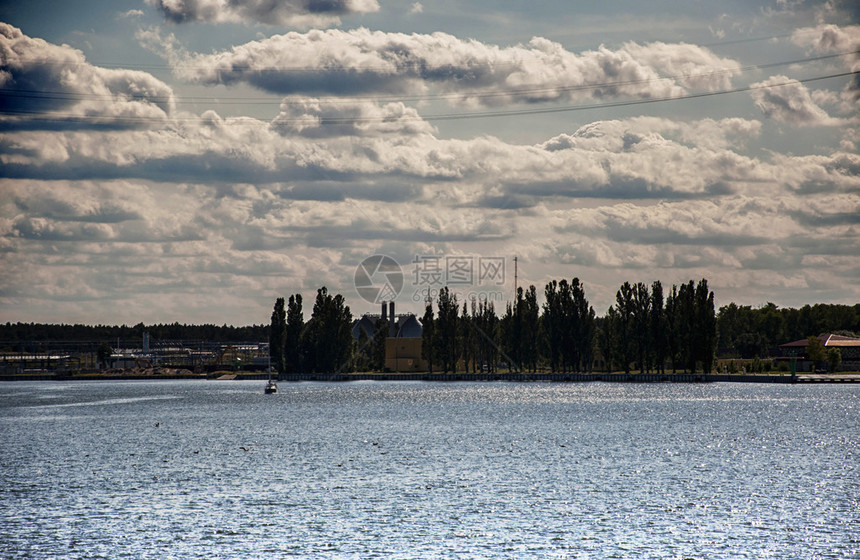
(217,469)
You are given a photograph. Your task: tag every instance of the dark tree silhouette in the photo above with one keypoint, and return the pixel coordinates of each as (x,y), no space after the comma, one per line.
(428,336)
(278,336)
(293,340)
(446,330)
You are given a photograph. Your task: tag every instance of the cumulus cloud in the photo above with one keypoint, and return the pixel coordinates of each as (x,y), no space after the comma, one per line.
(41,79)
(691,65)
(94,211)
(299,13)
(722,238)
(336,62)
(830,38)
(312,117)
(640,158)
(733,221)
(119,240)
(817,174)
(789,101)
(612,135)
(246,240)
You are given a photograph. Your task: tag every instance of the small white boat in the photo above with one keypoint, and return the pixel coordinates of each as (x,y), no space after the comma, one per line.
(271,388)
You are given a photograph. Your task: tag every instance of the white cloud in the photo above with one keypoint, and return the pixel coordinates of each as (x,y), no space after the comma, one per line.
(120,241)
(691,65)
(416,8)
(42,79)
(732,221)
(469,72)
(640,158)
(92,211)
(789,101)
(830,38)
(312,117)
(298,13)
(707,133)
(746,246)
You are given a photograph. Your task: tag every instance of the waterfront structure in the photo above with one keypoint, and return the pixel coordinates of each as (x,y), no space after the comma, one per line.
(24,363)
(68,358)
(849,348)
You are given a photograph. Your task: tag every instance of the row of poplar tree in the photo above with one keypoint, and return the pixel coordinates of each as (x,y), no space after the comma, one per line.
(323,344)
(644,330)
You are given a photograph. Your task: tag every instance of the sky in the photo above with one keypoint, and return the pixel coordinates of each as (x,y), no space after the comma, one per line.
(192,160)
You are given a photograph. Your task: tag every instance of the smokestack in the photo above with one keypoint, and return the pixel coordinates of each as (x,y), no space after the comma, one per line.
(391,318)
(384,309)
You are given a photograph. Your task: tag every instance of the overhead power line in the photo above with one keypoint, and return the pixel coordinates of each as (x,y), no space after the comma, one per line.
(108,120)
(544,110)
(542,91)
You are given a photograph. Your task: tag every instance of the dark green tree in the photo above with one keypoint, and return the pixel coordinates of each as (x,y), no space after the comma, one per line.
(295,324)
(103,354)
(362,359)
(428,336)
(567,320)
(465,339)
(506,337)
(381,330)
(625,307)
(486,326)
(685,328)
(834,358)
(278,336)
(446,330)
(659,328)
(529,327)
(514,343)
(580,324)
(328,334)
(815,351)
(553,324)
(748,332)
(771,325)
(673,322)
(705,327)
(607,339)
(642,325)
(589,340)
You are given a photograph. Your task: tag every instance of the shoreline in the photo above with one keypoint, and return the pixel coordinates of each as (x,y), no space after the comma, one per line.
(805,378)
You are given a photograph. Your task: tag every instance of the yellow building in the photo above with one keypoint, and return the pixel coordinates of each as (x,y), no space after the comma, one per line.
(403,344)
(403,355)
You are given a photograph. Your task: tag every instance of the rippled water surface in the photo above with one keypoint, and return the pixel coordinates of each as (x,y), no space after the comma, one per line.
(217,469)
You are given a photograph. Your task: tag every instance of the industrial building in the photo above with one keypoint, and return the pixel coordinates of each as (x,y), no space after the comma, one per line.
(403,345)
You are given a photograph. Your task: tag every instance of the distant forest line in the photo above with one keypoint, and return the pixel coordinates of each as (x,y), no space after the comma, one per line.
(742,331)
(12,333)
